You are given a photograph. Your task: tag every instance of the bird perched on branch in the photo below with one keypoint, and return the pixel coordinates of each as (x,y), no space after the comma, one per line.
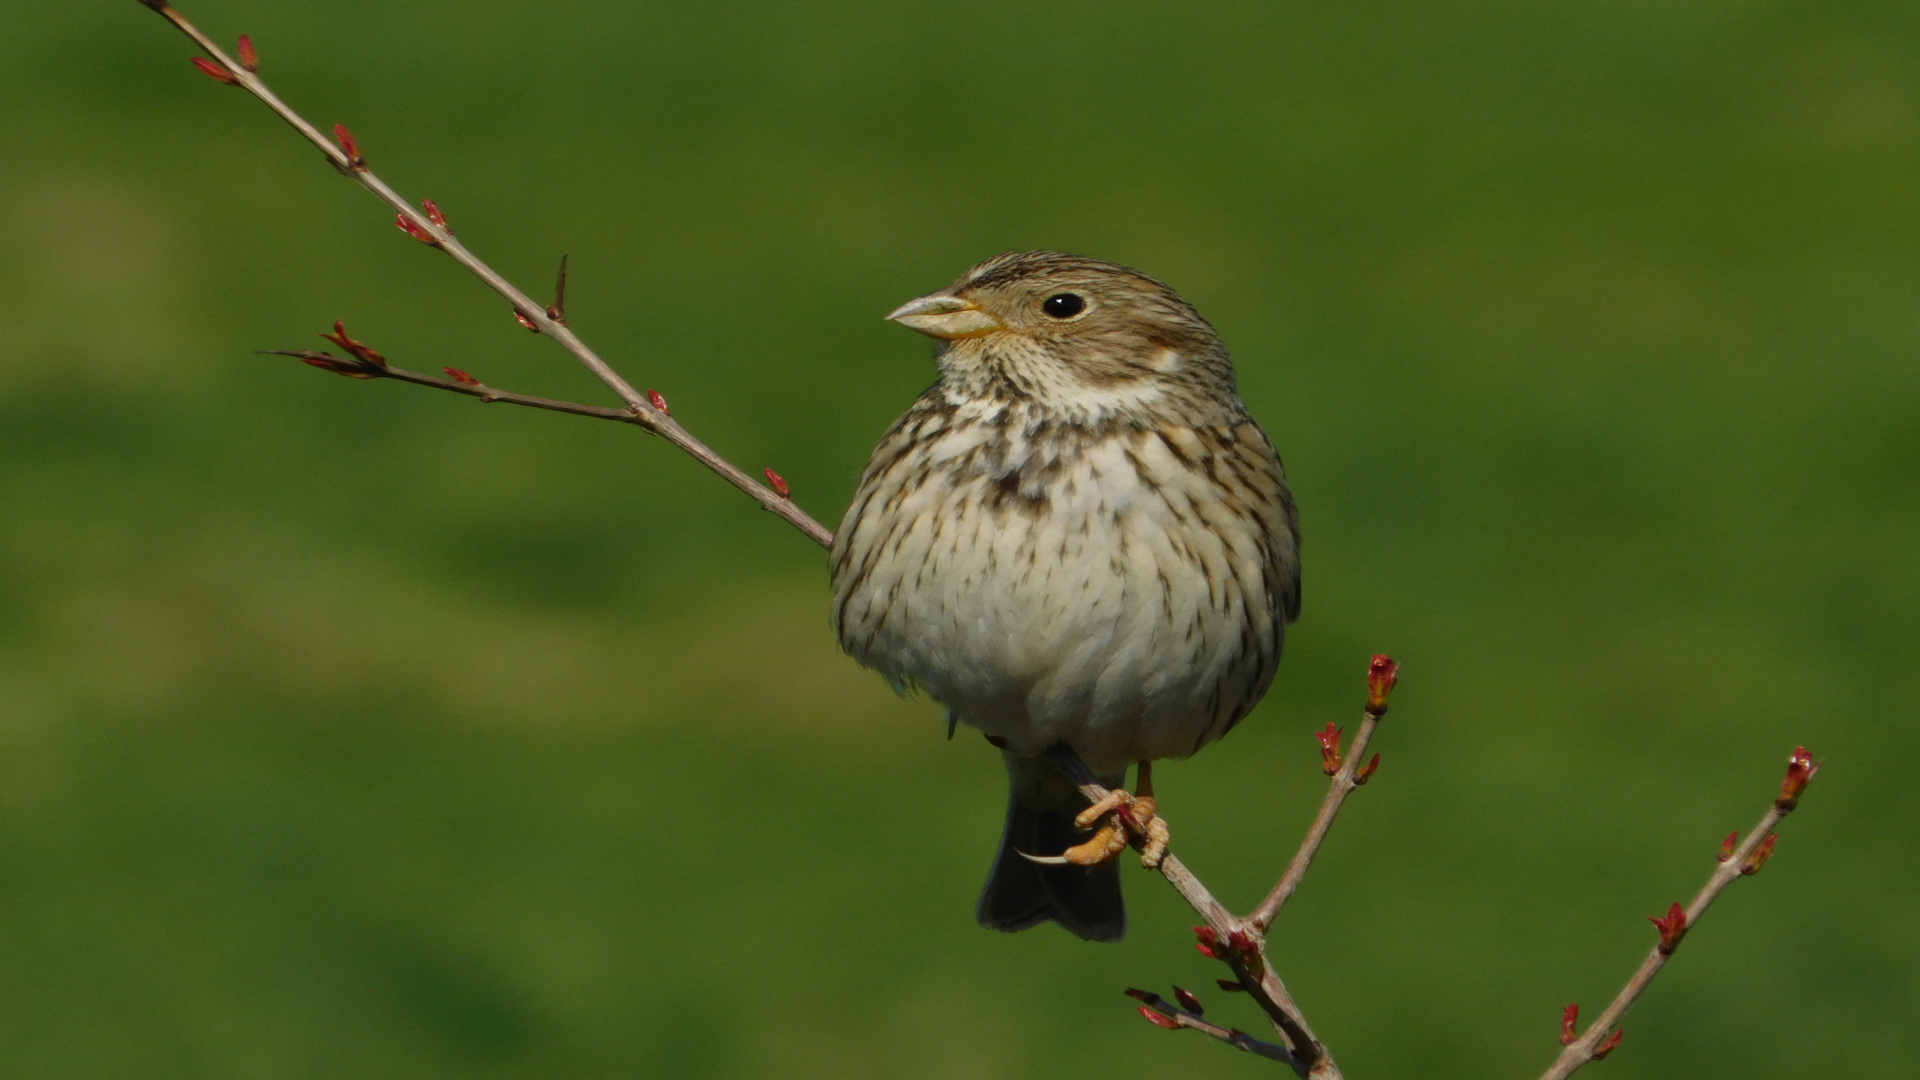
(1076,536)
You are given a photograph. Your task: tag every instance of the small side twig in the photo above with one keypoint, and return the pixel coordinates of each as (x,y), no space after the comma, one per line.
(1173,1017)
(428,225)
(1742,859)
(1382,673)
(347,365)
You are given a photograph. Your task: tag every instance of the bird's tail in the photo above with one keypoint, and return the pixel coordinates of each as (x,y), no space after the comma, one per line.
(1084,899)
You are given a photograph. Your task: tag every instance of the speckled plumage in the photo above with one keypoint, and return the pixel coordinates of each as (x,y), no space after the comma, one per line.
(1077,535)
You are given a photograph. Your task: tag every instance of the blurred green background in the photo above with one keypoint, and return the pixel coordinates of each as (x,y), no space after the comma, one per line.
(357,730)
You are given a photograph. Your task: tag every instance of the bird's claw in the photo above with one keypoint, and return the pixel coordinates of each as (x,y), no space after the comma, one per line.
(1122,818)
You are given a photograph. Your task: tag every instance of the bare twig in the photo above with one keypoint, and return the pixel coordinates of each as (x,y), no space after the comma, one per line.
(1381,675)
(347,365)
(1167,1015)
(1736,861)
(429,226)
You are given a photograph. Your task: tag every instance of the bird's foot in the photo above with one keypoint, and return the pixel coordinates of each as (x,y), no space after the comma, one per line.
(1123,818)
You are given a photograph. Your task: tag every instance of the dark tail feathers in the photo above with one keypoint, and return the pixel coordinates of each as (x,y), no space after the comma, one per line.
(1019,894)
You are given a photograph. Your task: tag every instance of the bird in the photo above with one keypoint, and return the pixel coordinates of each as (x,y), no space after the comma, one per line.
(1076,537)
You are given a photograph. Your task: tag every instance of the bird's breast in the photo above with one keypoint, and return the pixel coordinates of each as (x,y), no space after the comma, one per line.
(1050,582)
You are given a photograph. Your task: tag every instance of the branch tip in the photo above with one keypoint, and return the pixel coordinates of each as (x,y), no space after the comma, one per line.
(1800,770)
(1382,674)
(1159,1019)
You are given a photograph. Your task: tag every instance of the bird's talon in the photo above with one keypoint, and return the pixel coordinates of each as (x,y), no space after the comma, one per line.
(1113,800)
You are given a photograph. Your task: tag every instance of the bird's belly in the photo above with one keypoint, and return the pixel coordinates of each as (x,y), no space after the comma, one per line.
(1089,610)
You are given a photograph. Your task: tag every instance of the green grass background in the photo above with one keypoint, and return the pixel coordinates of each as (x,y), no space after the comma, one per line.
(356,730)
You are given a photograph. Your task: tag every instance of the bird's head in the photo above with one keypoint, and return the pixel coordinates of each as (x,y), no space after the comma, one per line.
(1070,331)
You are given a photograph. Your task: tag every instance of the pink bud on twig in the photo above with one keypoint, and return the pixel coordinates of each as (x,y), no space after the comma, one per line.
(349,147)
(461,377)
(412,228)
(521,317)
(1156,1018)
(1800,769)
(248,58)
(214,71)
(1208,942)
(1606,1048)
(1329,749)
(658,402)
(361,350)
(1569,1025)
(778,483)
(1365,772)
(433,212)
(1726,846)
(1672,927)
(1382,674)
(1759,857)
(1188,1001)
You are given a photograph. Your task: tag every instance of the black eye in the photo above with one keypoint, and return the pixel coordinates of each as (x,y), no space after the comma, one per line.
(1063,305)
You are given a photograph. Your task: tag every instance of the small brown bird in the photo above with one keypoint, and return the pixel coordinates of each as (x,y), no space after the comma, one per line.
(1077,536)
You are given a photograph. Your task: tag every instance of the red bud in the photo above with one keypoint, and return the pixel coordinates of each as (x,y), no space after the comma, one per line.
(1800,769)
(461,377)
(1569,1022)
(1329,749)
(412,228)
(214,71)
(658,402)
(1382,674)
(1141,995)
(328,362)
(1606,1048)
(360,349)
(1153,1017)
(779,484)
(349,147)
(1231,986)
(1188,1001)
(526,322)
(1759,857)
(1726,846)
(1365,772)
(433,212)
(248,58)
(1672,927)
(1208,942)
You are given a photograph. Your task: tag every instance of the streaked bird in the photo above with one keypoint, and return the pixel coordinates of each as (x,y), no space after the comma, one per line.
(1078,535)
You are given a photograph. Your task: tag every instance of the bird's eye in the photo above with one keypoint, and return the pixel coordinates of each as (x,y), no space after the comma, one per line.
(1063,305)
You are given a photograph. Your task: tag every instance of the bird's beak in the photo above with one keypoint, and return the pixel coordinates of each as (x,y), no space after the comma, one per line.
(945,316)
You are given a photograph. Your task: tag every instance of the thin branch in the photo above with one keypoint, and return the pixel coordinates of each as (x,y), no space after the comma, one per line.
(347,365)
(1735,861)
(1167,1015)
(430,227)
